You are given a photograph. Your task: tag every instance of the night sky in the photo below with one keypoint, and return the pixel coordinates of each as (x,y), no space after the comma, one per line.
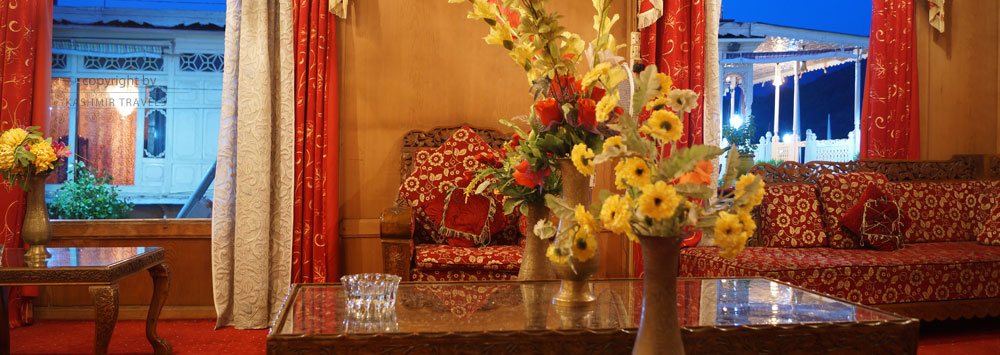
(822,93)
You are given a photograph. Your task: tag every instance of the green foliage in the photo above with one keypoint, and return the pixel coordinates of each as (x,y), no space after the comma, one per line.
(774,162)
(89,195)
(743,136)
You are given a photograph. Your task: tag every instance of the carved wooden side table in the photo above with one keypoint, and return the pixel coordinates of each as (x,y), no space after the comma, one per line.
(99,268)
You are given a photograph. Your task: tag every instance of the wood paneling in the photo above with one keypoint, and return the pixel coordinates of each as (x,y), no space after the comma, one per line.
(958,80)
(409,65)
(188,246)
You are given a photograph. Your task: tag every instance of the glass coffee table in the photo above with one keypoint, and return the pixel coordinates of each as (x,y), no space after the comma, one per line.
(718,316)
(99,268)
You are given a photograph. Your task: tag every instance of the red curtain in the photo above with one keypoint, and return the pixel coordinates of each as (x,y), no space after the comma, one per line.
(315,240)
(890,122)
(26,37)
(676,45)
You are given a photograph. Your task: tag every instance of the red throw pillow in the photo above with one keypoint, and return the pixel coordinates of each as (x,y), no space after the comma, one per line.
(470,220)
(876,219)
(790,217)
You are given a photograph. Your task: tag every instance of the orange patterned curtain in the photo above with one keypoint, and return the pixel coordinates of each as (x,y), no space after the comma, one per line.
(26,37)
(676,45)
(315,240)
(890,123)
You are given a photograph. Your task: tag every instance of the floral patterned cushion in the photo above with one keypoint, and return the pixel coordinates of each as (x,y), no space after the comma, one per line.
(837,194)
(489,258)
(989,232)
(437,172)
(919,272)
(790,217)
(941,211)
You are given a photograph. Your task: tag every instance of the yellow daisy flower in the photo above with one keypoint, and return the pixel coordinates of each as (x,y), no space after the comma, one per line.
(557,254)
(584,218)
(748,223)
(616,213)
(6,157)
(44,156)
(659,200)
(583,159)
(595,74)
(741,185)
(663,125)
(656,104)
(606,105)
(584,245)
(634,172)
(729,235)
(13,137)
(620,174)
(613,143)
(665,83)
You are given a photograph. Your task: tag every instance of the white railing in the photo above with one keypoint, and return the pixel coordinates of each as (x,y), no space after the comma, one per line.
(838,150)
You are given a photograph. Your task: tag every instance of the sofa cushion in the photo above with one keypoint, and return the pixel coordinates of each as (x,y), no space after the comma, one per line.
(876,220)
(919,272)
(437,172)
(789,217)
(470,220)
(837,194)
(461,275)
(488,258)
(940,211)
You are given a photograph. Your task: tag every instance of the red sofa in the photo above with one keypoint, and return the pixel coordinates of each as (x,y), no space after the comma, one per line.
(948,267)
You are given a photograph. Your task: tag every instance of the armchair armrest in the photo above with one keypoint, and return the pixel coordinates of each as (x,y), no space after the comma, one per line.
(396,233)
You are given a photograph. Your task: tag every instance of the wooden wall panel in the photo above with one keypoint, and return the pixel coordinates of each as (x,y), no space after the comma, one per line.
(188,248)
(407,65)
(958,80)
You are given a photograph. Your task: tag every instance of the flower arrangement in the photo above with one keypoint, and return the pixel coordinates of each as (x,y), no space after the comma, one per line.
(24,153)
(567,111)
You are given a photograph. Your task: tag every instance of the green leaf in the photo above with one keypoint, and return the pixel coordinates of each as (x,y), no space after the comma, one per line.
(697,191)
(648,87)
(558,207)
(544,229)
(509,205)
(732,161)
(684,160)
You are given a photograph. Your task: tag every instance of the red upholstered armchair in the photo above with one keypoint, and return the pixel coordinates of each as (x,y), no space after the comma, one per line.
(416,245)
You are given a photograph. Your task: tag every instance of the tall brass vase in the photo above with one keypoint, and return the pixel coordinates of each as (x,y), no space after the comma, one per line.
(534,265)
(659,330)
(36,230)
(575,289)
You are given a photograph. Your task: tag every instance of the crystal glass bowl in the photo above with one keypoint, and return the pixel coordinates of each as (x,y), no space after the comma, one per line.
(370,297)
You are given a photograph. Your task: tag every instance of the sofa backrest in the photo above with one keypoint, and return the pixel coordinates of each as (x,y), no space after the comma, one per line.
(969,183)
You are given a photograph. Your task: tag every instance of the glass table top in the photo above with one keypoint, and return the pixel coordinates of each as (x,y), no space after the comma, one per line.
(513,306)
(13,258)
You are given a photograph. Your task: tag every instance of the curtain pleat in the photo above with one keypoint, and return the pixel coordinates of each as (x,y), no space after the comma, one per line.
(890,121)
(26,37)
(315,248)
(253,202)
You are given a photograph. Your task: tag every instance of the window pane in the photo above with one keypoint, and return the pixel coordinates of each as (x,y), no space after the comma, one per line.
(58,126)
(106,121)
(155,135)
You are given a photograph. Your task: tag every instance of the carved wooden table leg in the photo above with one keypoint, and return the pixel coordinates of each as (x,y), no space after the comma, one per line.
(106,315)
(161,284)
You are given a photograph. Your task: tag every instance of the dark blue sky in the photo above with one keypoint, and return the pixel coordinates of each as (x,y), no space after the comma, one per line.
(843,16)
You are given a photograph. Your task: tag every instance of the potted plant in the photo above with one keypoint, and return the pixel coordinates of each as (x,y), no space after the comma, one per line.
(742,137)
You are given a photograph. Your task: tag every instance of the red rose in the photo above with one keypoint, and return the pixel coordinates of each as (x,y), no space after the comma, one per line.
(515,140)
(524,176)
(564,88)
(597,94)
(586,115)
(548,112)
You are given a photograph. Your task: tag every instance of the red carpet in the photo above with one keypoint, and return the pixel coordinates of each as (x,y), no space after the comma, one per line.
(186,337)
(978,336)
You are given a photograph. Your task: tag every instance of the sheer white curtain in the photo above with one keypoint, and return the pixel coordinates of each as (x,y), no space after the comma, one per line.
(252,212)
